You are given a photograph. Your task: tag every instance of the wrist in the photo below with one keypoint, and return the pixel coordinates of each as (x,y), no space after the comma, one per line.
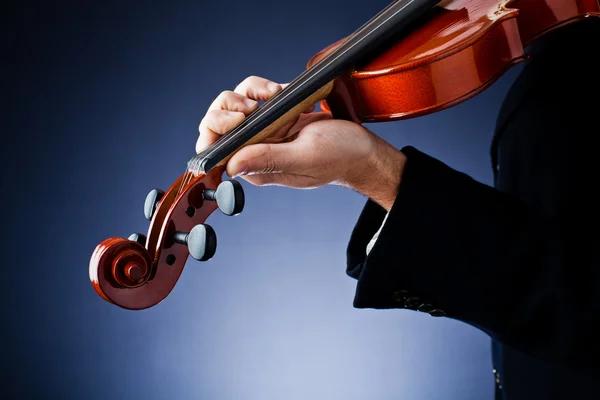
(380,174)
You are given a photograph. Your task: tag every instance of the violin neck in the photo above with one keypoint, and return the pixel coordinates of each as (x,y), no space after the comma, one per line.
(391,21)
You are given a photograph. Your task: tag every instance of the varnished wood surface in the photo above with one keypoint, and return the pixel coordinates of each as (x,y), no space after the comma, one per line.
(460,48)
(457,50)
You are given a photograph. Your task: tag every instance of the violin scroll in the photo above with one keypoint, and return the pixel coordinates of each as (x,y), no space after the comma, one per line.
(412,59)
(139,272)
(124,262)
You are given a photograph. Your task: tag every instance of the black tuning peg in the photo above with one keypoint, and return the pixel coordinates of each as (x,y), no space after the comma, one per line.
(201,241)
(138,237)
(152,199)
(229,196)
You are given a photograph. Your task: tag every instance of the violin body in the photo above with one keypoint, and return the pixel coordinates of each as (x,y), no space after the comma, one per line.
(458,49)
(451,52)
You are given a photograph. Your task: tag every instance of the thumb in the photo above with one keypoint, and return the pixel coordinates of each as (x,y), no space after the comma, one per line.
(264,158)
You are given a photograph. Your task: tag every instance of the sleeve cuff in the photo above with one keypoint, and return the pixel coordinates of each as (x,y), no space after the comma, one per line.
(396,273)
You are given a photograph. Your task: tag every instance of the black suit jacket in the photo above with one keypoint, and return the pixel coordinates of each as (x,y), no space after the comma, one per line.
(520,261)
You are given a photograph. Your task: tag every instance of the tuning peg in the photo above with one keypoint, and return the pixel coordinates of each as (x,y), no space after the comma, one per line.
(152,199)
(229,196)
(201,241)
(138,237)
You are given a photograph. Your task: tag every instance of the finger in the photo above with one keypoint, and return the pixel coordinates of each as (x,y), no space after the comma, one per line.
(284,132)
(265,158)
(257,88)
(216,123)
(292,129)
(232,101)
(309,109)
(287,180)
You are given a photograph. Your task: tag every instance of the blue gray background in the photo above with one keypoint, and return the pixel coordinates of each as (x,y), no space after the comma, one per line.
(104,100)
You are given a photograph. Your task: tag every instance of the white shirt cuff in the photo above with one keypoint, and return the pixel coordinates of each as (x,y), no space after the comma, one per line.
(372,242)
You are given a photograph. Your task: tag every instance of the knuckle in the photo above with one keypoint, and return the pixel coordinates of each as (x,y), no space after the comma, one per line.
(250,82)
(220,124)
(211,116)
(214,120)
(270,164)
(224,95)
(254,79)
(245,83)
(222,100)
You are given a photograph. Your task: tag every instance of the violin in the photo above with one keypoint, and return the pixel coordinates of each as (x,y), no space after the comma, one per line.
(413,58)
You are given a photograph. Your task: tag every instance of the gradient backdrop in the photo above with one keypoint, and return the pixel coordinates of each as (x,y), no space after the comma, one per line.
(104,103)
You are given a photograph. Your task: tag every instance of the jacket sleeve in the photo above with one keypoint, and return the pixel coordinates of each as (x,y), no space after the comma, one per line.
(453,246)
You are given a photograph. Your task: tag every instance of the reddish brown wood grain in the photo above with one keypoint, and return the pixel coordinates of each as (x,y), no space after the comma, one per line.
(459,49)
(462,47)
(135,277)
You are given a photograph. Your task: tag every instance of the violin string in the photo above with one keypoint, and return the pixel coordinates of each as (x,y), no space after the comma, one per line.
(184,180)
(187,179)
(195,162)
(188,175)
(298,83)
(191,172)
(181,183)
(295,85)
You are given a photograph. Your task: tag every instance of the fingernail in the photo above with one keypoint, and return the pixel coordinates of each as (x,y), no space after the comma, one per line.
(272,86)
(250,102)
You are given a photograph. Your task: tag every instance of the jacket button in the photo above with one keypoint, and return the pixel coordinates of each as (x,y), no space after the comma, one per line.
(497,378)
(437,313)
(412,302)
(400,296)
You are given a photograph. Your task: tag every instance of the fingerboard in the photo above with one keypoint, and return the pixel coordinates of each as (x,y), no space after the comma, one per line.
(389,22)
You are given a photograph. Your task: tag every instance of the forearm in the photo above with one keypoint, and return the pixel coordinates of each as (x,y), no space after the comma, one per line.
(454,244)
(380,179)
